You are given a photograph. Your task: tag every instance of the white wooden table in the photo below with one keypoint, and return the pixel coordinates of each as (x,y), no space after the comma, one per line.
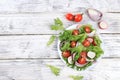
(25,30)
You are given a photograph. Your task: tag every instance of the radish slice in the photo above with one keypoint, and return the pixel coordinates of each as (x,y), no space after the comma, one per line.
(79,65)
(73,56)
(90,39)
(102,25)
(91,34)
(91,54)
(94,14)
(70,60)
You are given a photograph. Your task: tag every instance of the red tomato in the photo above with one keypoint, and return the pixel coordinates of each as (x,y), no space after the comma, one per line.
(81,60)
(83,54)
(94,43)
(86,43)
(78,17)
(73,43)
(75,32)
(66,54)
(87,29)
(69,17)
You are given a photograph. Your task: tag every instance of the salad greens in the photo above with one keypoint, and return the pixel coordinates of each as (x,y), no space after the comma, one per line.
(51,40)
(76,77)
(54,70)
(80,40)
(58,25)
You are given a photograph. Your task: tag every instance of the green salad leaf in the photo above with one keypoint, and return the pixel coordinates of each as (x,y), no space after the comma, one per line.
(66,46)
(51,40)
(54,70)
(76,77)
(97,40)
(58,25)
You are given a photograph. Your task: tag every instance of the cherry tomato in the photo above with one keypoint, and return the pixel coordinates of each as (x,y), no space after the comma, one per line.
(69,17)
(94,43)
(87,29)
(86,43)
(73,43)
(66,54)
(75,32)
(83,54)
(81,60)
(78,17)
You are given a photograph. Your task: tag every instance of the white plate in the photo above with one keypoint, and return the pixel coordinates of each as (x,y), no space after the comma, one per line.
(74,27)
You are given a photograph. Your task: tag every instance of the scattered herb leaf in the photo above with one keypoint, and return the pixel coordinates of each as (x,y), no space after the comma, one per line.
(51,40)
(76,77)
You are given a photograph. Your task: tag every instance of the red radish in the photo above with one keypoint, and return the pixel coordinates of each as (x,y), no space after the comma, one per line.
(90,39)
(102,25)
(94,14)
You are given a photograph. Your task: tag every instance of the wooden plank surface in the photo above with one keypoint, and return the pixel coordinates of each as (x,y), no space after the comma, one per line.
(37,70)
(40,23)
(26,6)
(34,46)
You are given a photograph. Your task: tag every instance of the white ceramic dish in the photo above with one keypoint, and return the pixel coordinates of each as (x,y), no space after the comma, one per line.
(74,27)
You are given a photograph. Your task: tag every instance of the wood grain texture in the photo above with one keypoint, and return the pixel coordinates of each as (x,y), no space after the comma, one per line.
(28,6)
(35,46)
(37,70)
(40,23)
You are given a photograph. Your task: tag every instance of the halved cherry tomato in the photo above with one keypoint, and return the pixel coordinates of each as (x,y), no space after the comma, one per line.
(75,32)
(78,17)
(87,29)
(73,43)
(94,43)
(81,60)
(83,54)
(69,17)
(86,43)
(66,54)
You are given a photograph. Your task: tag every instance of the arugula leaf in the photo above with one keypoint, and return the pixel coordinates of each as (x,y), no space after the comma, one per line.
(76,77)
(65,46)
(58,25)
(52,38)
(97,40)
(54,70)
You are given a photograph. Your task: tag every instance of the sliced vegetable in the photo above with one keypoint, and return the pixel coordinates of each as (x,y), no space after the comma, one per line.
(79,65)
(91,54)
(78,17)
(70,60)
(86,43)
(90,39)
(94,14)
(51,40)
(102,25)
(73,43)
(82,60)
(75,32)
(54,70)
(92,33)
(66,54)
(87,29)
(83,54)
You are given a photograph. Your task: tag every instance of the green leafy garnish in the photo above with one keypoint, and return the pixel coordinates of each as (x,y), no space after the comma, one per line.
(65,46)
(51,40)
(76,77)
(54,70)
(58,25)
(97,40)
